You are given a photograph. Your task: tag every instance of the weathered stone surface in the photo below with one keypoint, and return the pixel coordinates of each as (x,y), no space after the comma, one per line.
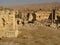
(7,23)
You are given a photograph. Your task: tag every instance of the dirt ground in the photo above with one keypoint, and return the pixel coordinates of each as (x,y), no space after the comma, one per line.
(39,36)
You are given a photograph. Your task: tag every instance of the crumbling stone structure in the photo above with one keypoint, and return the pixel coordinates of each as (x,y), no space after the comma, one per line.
(11,19)
(42,15)
(8,27)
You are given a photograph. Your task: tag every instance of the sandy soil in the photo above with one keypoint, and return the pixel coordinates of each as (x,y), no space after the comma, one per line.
(39,36)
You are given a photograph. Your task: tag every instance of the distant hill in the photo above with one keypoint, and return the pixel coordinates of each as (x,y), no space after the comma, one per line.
(38,6)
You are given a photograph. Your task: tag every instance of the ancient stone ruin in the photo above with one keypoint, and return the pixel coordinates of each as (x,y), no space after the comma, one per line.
(8,26)
(12,20)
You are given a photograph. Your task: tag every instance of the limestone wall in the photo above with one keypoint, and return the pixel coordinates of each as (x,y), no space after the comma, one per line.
(42,15)
(8,20)
(8,26)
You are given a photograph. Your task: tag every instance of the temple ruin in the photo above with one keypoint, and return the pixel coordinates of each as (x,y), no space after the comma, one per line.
(11,19)
(8,26)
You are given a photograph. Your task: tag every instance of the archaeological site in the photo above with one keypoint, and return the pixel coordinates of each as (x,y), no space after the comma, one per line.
(13,20)
(29,22)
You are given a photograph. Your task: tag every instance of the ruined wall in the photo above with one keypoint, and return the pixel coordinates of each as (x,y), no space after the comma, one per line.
(9,18)
(7,23)
(42,15)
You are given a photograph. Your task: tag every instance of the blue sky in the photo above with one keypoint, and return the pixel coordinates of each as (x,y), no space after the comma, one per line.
(23,2)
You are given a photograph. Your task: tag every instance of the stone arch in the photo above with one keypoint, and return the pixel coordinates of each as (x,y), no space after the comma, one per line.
(52,13)
(3,21)
(34,17)
(28,14)
(18,22)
